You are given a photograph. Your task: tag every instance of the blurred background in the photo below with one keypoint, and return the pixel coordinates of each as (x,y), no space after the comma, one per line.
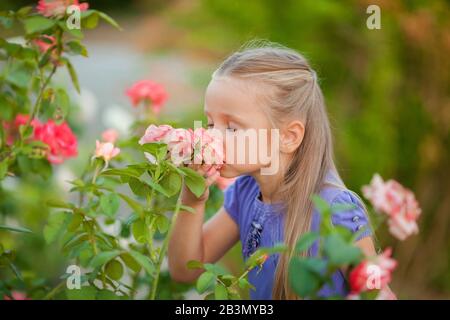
(387,92)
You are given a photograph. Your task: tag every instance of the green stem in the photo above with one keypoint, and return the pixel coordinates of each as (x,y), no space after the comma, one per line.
(54,291)
(162,253)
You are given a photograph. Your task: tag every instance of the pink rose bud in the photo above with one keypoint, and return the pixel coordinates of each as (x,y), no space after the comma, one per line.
(105,150)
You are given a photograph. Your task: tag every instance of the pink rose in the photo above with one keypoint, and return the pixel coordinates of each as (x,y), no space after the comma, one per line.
(155,133)
(57,8)
(179,144)
(372,274)
(60,139)
(397,202)
(105,150)
(148,92)
(46,44)
(208,147)
(110,135)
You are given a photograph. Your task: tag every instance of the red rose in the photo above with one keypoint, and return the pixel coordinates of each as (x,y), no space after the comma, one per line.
(60,139)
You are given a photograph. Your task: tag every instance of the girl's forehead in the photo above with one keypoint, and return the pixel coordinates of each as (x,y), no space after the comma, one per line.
(232,97)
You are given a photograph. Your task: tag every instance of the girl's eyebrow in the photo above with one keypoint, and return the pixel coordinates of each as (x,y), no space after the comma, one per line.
(232,117)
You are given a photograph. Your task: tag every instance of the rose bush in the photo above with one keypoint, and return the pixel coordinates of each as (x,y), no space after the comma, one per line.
(116,229)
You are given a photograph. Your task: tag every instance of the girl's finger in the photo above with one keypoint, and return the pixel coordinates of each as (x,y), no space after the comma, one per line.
(212,178)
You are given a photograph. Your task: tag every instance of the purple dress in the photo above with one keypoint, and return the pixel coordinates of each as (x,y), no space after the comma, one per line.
(261,225)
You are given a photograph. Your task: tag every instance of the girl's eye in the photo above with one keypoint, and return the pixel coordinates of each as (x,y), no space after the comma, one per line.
(210,126)
(232,129)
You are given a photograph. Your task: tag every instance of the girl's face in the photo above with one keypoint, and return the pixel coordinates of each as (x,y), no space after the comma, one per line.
(232,107)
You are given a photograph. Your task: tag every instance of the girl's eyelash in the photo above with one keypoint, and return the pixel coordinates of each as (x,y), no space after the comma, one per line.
(232,129)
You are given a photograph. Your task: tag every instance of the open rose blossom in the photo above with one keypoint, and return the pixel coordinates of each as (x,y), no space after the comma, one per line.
(57,8)
(105,150)
(110,135)
(397,202)
(60,139)
(208,147)
(179,144)
(148,92)
(184,144)
(372,274)
(155,133)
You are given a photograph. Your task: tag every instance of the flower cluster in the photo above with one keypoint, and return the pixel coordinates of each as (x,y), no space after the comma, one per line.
(59,138)
(199,146)
(397,202)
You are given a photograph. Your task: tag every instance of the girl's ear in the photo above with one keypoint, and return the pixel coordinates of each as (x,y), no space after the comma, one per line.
(292,136)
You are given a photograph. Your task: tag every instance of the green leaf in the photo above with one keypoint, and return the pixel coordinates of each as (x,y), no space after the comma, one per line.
(38,24)
(158,188)
(205,281)
(55,203)
(306,241)
(220,292)
(110,204)
(144,261)
(163,223)
(103,257)
(19,74)
(136,206)
(157,149)
(140,231)
(89,19)
(114,270)
(84,293)
(339,252)
(73,75)
(321,205)
(194,264)
(138,187)
(109,20)
(55,226)
(3,169)
(77,218)
(130,262)
(171,182)
(194,181)
(107,295)
(125,172)
(305,275)
(15,229)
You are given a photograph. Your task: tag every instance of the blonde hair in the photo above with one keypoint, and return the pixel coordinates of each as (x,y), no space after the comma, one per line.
(296,95)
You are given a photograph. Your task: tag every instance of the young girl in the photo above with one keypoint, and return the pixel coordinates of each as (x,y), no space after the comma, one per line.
(264,88)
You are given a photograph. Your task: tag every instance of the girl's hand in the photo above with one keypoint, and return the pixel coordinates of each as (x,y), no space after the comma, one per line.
(207,171)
